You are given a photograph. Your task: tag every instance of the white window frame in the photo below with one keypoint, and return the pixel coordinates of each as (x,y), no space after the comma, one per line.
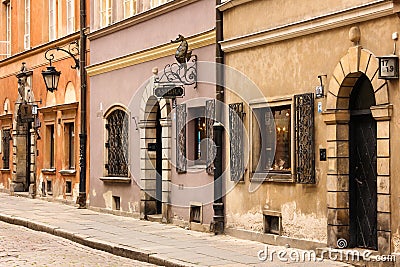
(132,8)
(156,3)
(8,29)
(52,20)
(105,14)
(70,16)
(27,36)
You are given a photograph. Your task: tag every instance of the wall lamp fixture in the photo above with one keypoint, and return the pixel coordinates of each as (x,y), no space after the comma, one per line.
(51,76)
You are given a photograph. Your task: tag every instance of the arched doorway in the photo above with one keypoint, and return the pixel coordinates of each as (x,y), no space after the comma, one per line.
(362,166)
(356,71)
(152,185)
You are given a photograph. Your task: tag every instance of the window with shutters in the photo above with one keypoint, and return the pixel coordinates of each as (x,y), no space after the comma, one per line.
(117,143)
(6,148)
(282,140)
(236,131)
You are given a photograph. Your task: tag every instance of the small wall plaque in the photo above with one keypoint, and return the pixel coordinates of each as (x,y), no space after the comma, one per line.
(388,67)
(152,146)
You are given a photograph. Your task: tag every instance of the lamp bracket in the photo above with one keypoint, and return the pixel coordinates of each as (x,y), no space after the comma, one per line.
(72,50)
(179,73)
(320,78)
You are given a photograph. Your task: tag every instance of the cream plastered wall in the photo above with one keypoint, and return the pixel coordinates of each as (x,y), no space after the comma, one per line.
(278,13)
(291,67)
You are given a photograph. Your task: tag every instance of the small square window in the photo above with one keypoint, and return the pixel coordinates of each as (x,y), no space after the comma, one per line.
(272,224)
(195,213)
(68,187)
(116,203)
(49,188)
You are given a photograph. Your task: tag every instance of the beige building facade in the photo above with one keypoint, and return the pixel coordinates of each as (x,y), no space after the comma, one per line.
(333,175)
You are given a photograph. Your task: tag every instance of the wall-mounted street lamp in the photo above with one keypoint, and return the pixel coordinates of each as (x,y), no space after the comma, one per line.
(51,76)
(319,90)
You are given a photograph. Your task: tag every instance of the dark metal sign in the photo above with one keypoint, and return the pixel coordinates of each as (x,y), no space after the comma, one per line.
(169,92)
(388,67)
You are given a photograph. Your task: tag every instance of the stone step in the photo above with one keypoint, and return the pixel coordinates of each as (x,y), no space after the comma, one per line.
(155,218)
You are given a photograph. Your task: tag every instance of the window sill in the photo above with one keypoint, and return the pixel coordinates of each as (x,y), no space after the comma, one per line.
(119,180)
(203,167)
(273,177)
(67,172)
(48,171)
(5,170)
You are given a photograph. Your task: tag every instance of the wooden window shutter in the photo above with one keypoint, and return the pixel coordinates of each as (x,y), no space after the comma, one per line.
(210,117)
(181,161)
(304,134)
(236,141)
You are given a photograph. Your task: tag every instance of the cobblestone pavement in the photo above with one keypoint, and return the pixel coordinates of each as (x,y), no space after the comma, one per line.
(160,244)
(20,246)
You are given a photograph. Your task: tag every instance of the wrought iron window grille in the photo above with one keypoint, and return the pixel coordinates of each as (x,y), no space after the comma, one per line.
(236,116)
(304,133)
(117,144)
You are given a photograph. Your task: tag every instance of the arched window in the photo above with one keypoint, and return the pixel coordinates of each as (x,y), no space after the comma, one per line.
(117,143)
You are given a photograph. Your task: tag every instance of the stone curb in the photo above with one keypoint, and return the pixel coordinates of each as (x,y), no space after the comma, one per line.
(115,249)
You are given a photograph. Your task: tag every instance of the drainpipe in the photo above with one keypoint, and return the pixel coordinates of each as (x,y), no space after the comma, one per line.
(82,136)
(218,205)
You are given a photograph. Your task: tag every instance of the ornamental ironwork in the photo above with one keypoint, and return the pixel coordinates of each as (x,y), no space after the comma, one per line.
(181,162)
(184,72)
(210,118)
(117,143)
(179,74)
(236,115)
(304,132)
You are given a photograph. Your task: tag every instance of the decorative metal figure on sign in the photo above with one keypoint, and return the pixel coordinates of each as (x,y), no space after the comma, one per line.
(182,73)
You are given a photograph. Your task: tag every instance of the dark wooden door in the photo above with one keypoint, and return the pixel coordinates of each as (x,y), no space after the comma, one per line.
(158,161)
(363,184)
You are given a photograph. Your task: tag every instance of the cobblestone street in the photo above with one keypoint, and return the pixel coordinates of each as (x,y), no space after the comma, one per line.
(20,246)
(160,244)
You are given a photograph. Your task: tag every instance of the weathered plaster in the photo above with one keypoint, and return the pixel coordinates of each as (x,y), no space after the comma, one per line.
(107,196)
(303,226)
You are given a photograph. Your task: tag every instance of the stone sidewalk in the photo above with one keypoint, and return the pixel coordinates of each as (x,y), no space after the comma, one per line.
(160,244)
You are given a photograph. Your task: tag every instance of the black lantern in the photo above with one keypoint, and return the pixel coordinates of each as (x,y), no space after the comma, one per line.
(51,77)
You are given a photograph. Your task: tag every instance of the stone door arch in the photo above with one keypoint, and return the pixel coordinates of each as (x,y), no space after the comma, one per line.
(356,62)
(148,134)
